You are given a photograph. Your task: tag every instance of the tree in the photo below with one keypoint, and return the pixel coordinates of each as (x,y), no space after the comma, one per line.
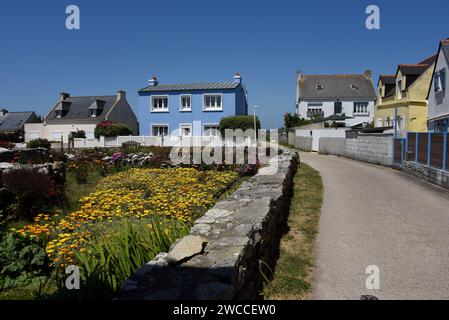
(293,120)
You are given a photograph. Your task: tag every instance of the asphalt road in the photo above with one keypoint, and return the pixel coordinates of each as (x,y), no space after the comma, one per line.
(373,215)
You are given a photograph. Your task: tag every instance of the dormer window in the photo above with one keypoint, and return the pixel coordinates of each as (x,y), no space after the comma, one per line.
(319,87)
(93,113)
(58,113)
(354,86)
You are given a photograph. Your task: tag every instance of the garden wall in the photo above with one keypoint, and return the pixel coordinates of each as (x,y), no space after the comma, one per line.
(433,175)
(376,149)
(303,143)
(333,146)
(227,247)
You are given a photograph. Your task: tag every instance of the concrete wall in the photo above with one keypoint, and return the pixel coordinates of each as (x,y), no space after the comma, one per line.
(317,134)
(433,175)
(303,143)
(220,259)
(371,148)
(333,146)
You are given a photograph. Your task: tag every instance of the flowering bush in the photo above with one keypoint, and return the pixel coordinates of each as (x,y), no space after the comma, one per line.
(33,191)
(110,129)
(7,145)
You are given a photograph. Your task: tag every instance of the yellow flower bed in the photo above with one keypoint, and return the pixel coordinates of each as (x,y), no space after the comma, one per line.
(180,193)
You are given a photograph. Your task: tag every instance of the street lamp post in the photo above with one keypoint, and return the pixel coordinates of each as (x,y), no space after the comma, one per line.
(255,124)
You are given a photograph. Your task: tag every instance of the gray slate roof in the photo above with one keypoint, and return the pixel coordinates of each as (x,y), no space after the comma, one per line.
(12,121)
(79,108)
(336,87)
(190,86)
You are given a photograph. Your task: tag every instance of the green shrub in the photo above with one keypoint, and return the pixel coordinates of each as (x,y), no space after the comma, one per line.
(238,122)
(79,134)
(39,143)
(294,120)
(110,129)
(13,136)
(115,251)
(23,262)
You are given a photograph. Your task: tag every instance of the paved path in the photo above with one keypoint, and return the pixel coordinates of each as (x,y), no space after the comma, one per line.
(374,215)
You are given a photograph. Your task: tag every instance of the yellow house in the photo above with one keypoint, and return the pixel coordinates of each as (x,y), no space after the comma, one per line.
(404,95)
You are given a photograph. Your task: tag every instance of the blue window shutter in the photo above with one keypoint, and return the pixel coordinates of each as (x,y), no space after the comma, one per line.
(443,79)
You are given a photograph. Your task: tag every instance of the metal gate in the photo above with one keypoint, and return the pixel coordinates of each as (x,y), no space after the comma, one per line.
(399,150)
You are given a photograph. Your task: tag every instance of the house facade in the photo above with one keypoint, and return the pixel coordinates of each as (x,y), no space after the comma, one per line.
(348,98)
(71,114)
(189,109)
(438,109)
(13,121)
(402,97)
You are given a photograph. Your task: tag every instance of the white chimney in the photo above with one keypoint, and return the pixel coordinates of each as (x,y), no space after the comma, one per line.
(153,81)
(121,95)
(237,78)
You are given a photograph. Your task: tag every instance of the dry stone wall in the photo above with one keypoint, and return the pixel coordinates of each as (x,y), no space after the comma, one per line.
(229,248)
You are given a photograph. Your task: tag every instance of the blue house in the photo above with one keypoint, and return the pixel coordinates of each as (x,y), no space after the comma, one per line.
(193,109)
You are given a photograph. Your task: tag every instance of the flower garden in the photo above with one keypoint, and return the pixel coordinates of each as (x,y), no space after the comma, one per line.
(129,215)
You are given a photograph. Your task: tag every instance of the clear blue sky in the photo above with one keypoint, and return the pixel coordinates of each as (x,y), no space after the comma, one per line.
(122,44)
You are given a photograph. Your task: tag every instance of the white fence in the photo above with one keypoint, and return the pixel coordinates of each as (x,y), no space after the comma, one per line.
(165,141)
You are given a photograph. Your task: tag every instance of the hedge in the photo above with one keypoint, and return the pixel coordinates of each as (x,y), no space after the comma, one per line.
(238,122)
(39,143)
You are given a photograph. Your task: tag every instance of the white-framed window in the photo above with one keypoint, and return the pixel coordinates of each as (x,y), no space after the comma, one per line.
(56,135)
(360,107)
(185,101)
(58,113)
(211,129)
(159,129)
(354,86)
(34,135)
(159,103)
(185,129)
(212,102)
(93,113)
(319,87)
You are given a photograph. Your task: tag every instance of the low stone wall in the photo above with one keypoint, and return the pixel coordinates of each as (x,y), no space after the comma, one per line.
(228,247)
(333,146)
(433,175)
(376,149)
(303,143)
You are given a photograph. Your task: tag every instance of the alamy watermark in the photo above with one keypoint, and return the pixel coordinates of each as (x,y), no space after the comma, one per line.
(73,21)
(372,22)
(372,282)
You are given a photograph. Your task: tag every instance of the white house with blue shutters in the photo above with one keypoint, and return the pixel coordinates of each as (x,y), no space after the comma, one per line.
(438,100)
(192,109)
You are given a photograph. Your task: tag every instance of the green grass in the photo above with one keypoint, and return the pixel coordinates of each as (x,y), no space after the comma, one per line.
(76,191)
(291,280)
